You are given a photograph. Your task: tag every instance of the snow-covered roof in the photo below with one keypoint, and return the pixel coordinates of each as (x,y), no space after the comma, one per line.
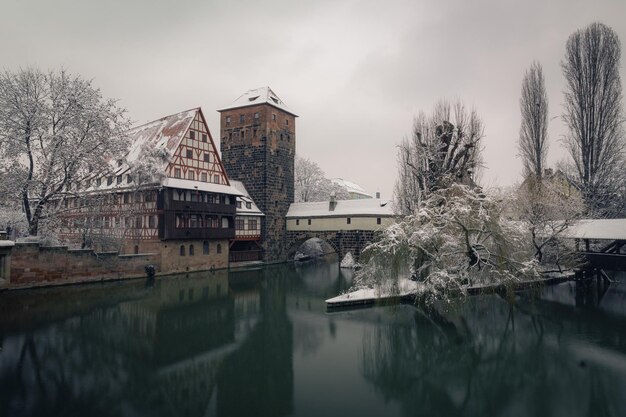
(351,187)
(245,198)
(166,133)
(261,95)
(200,186)
(361,207)
(605,229)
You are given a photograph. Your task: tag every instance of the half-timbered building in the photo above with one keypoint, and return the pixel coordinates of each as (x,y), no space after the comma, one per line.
(170,195)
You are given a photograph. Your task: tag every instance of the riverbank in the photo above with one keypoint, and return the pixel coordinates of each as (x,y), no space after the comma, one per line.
(408,291)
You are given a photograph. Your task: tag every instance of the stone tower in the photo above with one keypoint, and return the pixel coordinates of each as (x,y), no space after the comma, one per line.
(258,145)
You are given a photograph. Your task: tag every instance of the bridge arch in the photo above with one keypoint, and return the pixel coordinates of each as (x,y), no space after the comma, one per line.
(342,241)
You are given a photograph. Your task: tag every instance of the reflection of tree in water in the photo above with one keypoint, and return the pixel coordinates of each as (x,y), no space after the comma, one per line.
(486,358)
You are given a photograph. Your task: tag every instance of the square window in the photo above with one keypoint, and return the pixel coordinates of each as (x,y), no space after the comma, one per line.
(203,177)
(256,115)
(207,157)
(378,220)
(348,220)
(192,134)
(216,179)
(204,137)
(177,173)
(129,179)
(189,153)
(242,118)
(228,120)
(191,175)
(248,205)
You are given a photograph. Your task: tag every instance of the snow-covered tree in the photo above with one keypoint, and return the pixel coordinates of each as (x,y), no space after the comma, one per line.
(456,237)
(444,145)
(56,129)
(548,206)
(311,183)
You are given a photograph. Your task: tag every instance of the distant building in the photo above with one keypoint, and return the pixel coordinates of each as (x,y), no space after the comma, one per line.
(354,190)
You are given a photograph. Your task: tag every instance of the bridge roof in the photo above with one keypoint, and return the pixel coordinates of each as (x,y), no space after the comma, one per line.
(361,207)
(601,229)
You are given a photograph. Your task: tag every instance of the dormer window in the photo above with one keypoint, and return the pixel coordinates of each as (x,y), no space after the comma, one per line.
(253,98)
(248,205)
(119,179)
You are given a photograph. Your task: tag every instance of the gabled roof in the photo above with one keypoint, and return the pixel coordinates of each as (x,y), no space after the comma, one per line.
(362,207)
(261,95)
(166,133)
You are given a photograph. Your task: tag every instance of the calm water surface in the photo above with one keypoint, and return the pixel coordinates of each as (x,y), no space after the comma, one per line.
(260,343)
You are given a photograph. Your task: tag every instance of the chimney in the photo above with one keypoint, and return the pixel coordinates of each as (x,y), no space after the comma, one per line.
(333,201)
(378,194)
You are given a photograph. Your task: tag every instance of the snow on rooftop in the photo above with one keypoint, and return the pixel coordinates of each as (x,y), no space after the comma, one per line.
(609,229)
(166,133)
(245,198)
(351,187)
(200,186)
(361,207)
(262,95)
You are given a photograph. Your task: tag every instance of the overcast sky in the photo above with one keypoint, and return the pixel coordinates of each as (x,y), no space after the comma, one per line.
(356,72)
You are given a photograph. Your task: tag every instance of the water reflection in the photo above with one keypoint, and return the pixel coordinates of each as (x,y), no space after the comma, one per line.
(261,343)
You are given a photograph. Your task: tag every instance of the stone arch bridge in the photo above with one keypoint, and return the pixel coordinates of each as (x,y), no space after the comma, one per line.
(342,241)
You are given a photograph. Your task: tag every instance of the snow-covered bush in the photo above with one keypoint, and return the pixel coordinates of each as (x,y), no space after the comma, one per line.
(457,237)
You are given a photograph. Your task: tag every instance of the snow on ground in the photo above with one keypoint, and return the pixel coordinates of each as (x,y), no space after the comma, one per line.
(347,261)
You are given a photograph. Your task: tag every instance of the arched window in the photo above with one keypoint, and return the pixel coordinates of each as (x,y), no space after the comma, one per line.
(182,250)
(190,250)
(219,248)
(205,247)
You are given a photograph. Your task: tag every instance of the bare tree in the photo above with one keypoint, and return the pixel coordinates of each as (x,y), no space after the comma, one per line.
(56,129)
(444,145)
(311,183)
(533,136)
(593,113)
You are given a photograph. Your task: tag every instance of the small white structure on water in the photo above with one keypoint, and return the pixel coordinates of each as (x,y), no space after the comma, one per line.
(348,261)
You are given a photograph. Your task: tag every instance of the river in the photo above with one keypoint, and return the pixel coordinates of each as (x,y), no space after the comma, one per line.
(260,343)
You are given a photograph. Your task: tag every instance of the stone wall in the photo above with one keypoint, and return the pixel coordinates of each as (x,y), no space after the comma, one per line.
(33,265)
(260,152)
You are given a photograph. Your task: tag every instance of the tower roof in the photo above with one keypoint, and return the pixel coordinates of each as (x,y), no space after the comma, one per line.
(261,95)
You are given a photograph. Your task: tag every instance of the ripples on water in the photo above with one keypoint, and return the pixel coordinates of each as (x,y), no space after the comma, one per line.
(260,343)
